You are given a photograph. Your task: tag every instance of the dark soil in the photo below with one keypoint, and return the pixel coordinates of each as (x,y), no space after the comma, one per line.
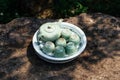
(99,61)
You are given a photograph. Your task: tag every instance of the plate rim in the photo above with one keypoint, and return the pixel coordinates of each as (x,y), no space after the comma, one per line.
(79,30)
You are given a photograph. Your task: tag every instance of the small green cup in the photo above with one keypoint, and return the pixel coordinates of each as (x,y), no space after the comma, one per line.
(61,42)
(66,33)
(48,47)
(70,48)
(74,38)
(59,52)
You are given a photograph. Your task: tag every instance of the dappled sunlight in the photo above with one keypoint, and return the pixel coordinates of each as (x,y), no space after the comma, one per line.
(101,56)
(103,46)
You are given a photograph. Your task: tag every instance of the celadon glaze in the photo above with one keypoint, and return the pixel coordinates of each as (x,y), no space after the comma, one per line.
(74,38)
(66,33)
(56,40)
(48,47)
(59,51)
(61,42)
(49,31)
(60,54)
(70,48)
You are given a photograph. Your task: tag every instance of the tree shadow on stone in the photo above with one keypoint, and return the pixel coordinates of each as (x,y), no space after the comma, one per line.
(8,64)
(102,36)
(102,33)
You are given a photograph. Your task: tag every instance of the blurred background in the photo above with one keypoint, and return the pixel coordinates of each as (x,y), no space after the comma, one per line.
(10,9)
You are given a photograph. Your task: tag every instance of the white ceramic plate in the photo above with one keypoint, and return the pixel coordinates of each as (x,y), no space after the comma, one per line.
(66,59)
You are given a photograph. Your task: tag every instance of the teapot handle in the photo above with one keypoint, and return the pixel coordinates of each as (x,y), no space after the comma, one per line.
(39,36)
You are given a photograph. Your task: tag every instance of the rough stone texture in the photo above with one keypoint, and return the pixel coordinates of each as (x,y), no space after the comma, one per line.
(99,61)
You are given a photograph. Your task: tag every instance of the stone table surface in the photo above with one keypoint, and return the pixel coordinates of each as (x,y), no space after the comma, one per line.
(99,61)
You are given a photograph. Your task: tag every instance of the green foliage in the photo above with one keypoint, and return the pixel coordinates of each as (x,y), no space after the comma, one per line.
(111,7)
(10,9)
(7,12)
(66,8)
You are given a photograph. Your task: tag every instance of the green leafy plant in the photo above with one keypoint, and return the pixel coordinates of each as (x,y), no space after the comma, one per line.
(7,12)
(10,9)
(111,7)
(67,8)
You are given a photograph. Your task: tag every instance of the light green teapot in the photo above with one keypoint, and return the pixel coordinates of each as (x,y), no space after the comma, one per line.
(49,31)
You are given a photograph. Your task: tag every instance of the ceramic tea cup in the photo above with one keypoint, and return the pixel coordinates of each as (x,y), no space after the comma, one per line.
(48,47)
(61,42)
(74,38)
(70,48)
(66,33)
(59,52)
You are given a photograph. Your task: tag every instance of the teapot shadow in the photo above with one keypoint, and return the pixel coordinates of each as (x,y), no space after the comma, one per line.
(38,62)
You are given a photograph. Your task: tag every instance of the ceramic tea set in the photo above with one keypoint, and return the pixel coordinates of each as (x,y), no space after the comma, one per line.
(59,42)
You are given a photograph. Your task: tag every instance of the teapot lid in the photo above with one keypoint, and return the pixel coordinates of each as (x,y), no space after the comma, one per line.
(49,27)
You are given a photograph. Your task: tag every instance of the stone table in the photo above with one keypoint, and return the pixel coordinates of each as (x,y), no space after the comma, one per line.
(99,61)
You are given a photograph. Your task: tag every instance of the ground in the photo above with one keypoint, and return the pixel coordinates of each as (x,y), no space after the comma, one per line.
(99,61)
